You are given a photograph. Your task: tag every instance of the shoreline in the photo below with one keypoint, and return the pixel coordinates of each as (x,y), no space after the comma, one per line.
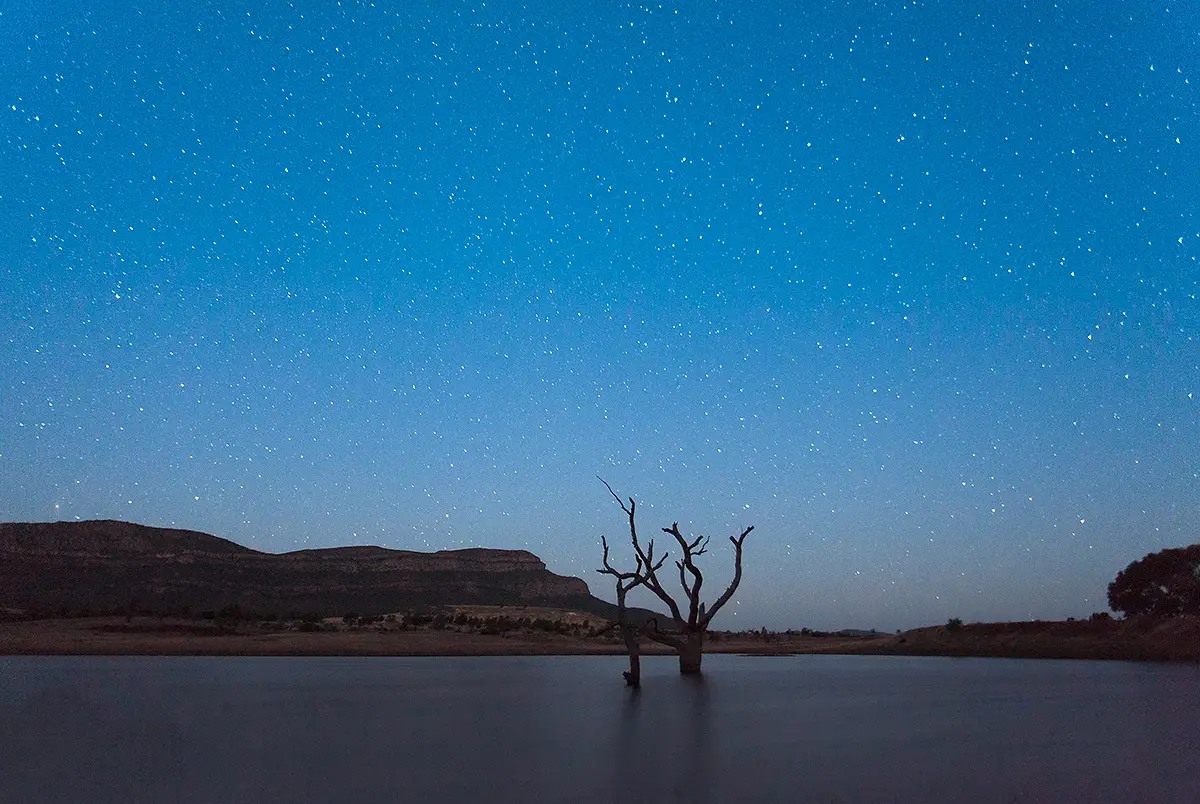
(151,636)
(1173,640)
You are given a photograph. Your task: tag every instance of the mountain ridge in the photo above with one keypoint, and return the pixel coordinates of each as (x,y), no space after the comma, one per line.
(110,565)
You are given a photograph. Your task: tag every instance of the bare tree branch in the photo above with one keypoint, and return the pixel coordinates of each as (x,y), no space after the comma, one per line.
(646,556)
(634,578)
(663,639)
(606,629)
(630,632)
(652,631)
(737,576)
(691,549)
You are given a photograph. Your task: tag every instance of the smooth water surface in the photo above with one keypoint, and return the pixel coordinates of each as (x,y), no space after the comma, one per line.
(559,729)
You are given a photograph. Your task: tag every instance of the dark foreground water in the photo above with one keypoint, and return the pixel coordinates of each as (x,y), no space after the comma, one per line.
(525,729)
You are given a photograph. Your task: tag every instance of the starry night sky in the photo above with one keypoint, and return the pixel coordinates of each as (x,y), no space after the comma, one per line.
(910,287)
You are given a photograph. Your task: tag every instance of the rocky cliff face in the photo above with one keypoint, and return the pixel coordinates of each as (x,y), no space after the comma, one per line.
(107,566)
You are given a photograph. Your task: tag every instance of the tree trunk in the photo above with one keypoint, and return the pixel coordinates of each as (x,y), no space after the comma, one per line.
(691,653)
(634,677)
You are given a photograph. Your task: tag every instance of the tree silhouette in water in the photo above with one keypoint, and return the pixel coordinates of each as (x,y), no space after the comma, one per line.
(687,635)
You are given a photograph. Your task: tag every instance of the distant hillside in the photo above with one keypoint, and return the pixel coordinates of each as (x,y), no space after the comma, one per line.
(111,566)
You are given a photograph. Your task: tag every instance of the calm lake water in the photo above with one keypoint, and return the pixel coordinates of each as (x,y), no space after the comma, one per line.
(560,729)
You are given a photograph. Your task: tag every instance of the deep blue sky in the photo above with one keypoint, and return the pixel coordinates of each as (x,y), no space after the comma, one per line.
(912,288)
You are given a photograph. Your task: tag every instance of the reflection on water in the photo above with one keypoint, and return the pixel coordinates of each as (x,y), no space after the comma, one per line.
(664,752)
(528,729)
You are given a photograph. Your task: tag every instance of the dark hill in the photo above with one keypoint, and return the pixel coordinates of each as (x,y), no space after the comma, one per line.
(111,566)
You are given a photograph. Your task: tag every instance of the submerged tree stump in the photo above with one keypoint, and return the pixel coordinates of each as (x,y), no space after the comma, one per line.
(633,676)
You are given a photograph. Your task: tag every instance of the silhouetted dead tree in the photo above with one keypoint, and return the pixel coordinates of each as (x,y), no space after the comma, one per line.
(630,631)
(688,639)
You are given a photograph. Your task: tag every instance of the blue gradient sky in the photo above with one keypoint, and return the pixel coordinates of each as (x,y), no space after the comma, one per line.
(912,288)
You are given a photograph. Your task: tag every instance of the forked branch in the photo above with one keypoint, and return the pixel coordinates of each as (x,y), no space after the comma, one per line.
(737,576)
(646,556)
(690,576)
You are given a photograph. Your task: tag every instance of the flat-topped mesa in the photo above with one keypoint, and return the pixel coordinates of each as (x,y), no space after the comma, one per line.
(107,566)
(474,559)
